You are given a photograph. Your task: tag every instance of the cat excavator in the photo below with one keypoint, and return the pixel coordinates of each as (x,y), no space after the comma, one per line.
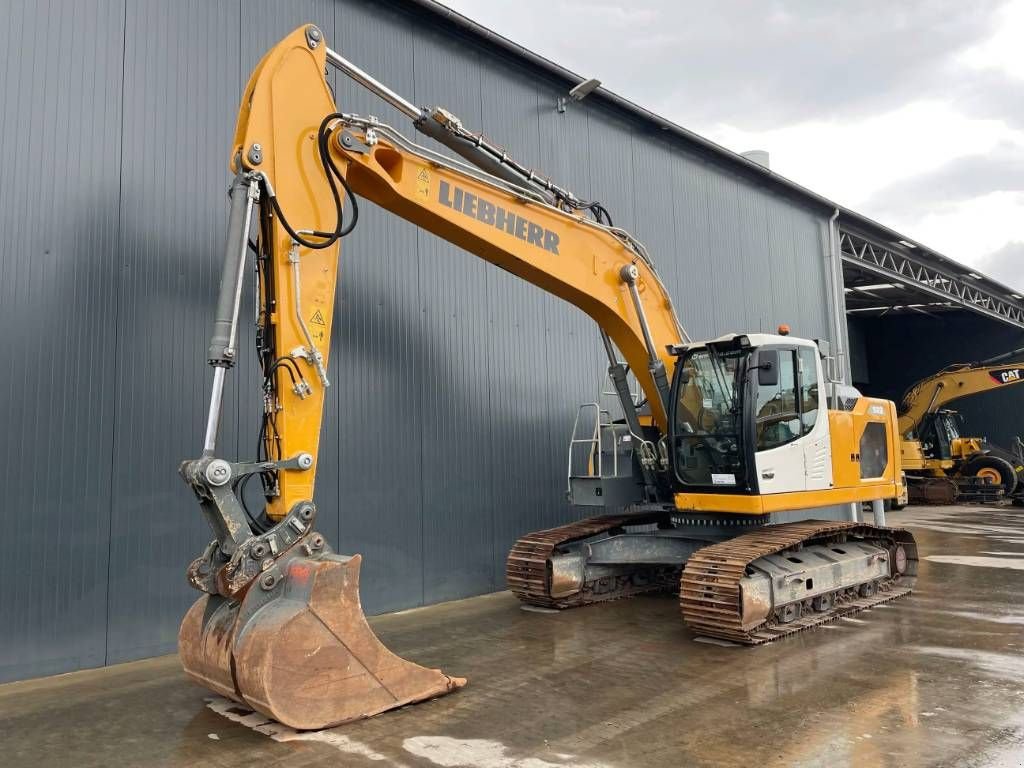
(737,478)
(945,466)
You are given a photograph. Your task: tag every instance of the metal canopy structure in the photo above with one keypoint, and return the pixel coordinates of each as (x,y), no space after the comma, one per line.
(903,277)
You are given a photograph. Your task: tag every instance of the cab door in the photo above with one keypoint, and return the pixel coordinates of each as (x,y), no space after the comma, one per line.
(779,456)
(816,441)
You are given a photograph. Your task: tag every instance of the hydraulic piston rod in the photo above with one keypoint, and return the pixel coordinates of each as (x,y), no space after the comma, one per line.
(446,129)
(373,85)
(222,352)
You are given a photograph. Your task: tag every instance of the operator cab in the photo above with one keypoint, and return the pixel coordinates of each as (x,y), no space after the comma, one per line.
(938,431)
(746,415)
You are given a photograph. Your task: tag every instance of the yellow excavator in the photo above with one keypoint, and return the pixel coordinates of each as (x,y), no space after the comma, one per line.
(943,465)
(737,479)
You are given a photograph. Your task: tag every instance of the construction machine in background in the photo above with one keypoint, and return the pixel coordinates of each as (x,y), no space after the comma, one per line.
(945,466)
(737,480)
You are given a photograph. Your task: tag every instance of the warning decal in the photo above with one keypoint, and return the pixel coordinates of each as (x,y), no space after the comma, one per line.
(317,318)
(423,183)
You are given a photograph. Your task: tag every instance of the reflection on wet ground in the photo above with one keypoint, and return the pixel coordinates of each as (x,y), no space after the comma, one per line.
(933,680)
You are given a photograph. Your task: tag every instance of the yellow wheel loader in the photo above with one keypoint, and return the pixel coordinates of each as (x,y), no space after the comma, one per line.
(737,481)
(945,466)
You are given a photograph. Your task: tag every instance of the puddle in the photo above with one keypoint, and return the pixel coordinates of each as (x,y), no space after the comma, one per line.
(716,641)
(439,750)
(481,753)
(243,716)
(974,616)
(1010,563)
(953,521)
(1003,666)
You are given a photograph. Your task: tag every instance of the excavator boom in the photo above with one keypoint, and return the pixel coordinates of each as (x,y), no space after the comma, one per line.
(958,381)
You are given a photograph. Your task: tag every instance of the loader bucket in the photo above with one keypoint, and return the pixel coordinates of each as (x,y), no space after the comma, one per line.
(302,653)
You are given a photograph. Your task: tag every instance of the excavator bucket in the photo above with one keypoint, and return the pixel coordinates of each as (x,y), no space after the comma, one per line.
(301,652)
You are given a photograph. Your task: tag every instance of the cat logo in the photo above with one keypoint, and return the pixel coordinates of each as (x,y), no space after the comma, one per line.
(1008,375)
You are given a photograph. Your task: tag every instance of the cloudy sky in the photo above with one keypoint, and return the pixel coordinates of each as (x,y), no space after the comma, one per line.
(908,111)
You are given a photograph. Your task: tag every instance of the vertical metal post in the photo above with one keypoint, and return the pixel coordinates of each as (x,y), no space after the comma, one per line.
(878,510)
(837,301)
(854,511)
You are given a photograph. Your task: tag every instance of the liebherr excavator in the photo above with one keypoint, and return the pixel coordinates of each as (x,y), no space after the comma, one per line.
(943,465)
(735,467)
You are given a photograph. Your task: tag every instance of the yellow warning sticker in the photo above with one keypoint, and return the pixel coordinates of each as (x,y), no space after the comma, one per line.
(423,183)
(317,318)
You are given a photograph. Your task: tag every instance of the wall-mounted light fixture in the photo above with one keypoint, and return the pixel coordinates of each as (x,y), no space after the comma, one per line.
(578,92)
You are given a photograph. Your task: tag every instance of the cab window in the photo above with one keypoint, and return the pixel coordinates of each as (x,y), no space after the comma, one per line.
(790,408)
(777,420)
(809,388)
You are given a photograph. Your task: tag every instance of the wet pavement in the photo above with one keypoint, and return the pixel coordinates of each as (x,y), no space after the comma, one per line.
(936,679)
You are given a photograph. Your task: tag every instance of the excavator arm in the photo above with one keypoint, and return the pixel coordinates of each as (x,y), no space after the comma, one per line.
(955,382)
(281,618)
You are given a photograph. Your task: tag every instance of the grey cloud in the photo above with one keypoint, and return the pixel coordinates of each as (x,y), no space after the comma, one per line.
(991,94)
(753,63)
(1000,170)
(1006,264)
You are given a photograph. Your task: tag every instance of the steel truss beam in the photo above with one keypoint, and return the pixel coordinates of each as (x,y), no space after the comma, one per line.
(897,266)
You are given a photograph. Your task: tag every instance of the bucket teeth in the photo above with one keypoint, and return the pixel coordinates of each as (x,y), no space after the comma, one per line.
(304,653)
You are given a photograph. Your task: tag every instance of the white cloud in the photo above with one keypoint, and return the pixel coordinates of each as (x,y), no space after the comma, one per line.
(1002,51)
(972,230)
(849,161)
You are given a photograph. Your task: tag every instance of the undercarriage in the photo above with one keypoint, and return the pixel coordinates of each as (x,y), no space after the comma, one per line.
(738,578)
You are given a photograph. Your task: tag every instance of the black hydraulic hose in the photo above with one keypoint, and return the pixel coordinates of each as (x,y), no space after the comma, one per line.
(239,489)
(1016,353)
(281,364)
(333,174)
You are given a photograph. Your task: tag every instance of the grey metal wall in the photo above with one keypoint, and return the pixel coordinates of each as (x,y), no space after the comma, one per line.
(455,384)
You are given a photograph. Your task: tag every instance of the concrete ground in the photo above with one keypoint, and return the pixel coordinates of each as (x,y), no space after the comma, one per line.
(936,679)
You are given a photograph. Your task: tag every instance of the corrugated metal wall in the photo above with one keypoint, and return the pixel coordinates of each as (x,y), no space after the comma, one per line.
(455,384)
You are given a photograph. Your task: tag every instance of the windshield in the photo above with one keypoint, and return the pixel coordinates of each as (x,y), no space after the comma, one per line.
(952,423)
(707,418)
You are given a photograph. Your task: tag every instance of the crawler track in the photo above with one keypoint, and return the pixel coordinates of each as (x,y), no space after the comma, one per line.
(526,568)
(709,587)
(710,595)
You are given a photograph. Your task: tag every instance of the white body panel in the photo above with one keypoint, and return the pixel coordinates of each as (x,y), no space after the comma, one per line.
(781,470)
